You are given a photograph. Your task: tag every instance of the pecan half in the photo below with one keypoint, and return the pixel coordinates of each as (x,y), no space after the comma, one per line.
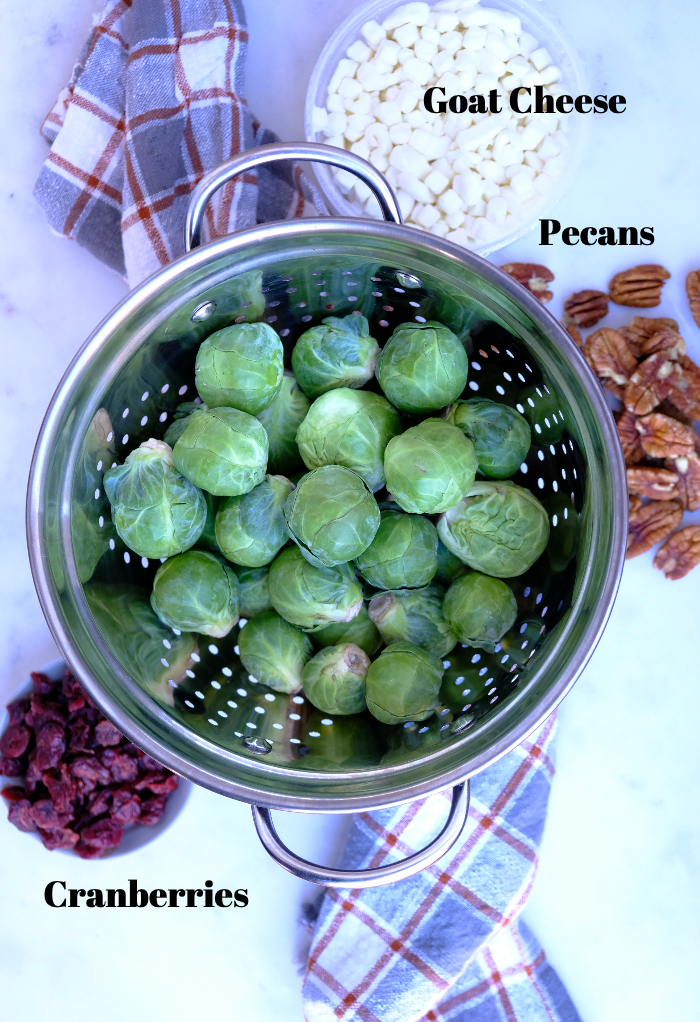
(651,383)
(680,553)
(532,276)
(667,340)
(687,468)
(685,392)
(651,523)
(692,289)
(666,408)
(652,483)
(642,327)
(585,308)
(610,358)
(629,438)
(635,504)
(640,286)
(663,437)
(574,333)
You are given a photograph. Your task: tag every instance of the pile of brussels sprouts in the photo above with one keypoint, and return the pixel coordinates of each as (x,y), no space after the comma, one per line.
(334,519)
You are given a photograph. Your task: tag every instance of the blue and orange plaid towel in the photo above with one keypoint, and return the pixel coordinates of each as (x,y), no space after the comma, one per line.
(156,101)
(445,945)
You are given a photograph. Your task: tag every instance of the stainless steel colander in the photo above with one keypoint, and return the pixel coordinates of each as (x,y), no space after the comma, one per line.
(210,721)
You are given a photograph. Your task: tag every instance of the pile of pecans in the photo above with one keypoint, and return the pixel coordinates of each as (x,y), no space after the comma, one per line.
(83,780)
(646,368)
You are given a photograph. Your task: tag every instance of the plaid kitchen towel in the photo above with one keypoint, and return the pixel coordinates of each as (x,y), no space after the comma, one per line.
(155,101)
(445,944)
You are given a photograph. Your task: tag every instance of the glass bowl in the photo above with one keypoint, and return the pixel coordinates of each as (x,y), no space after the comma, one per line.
(536,18)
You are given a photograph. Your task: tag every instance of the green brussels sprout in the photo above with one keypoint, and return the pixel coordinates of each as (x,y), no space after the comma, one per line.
(499,528)
(361,630)
(274,651)
(430,467)
(414,615)
(240,367)
(544,412)
(155,510)
(350,428)
(281,420)
(137,638)
(223,450)
(253,592)
(422,367)
(90,524)
(250,529)
(479,609)
(331,516)
(501,436)
(196,592)
(337,353)
(403,553)
(181,417)
(334,679)
(403,684)
(311,596)
(468,678)
(348,742)
(449,566)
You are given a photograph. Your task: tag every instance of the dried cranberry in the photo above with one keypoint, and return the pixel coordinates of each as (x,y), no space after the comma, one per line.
(18,710)
(99,802)
(79,736)
(15,741)
(42,684)
(121,766)
(87,851)
(20,814)
(126,805)
(50,745)
(102,834)
(90,770)
(160,783)
(147,762)
(42,711)
(44,815)
(13,794)
(62,837)
(69,686)
(76,703)
(107,734)
(33,775)
(152,809)
(11,768)
(61,793)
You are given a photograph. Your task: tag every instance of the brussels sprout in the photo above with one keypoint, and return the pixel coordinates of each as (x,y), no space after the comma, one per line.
(137,638)
(155,510)
(422,367)
(348,742)
(449,566)
(403,554)
(414,615)
(499,528)
(501,436)
(224,451)
(361,630)
(312,596)
(253,592)
(350,428)
(337,353)
(281,420)
(479,609)
(331,516)
(181,418)
(429,467)
(240,367)
(250,529)
(334,679)
(403,684)
(90,525)
(274,651)
(196,592)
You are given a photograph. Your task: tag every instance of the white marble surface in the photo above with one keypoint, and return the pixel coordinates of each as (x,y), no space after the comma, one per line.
(616,899)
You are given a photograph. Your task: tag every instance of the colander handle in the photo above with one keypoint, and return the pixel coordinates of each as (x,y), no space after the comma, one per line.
(313,151)
(377,876)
